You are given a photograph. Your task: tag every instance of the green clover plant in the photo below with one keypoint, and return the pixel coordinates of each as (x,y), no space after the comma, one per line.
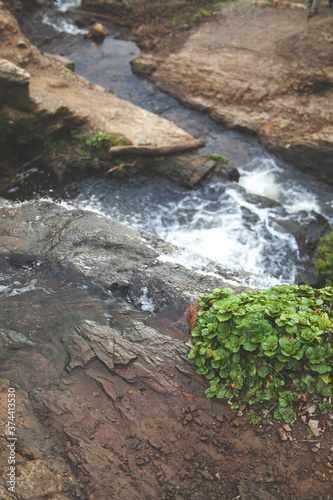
(266,348)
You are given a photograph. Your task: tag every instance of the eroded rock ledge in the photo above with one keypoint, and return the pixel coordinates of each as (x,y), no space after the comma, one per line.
(94,338)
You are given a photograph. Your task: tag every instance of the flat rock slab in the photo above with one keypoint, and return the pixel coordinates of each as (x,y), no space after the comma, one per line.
(53,85)
(108,405)
(104,110)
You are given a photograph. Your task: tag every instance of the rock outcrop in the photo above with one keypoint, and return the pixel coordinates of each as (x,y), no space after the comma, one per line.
(94,340)
(264,71)
(42,98)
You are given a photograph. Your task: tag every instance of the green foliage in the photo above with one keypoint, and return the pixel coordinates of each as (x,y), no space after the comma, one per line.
(325,264)
(200,15)
(188,18)
(216,157)
(263,349)
(50,146)
(218,4)
(172,21)
(99,141)
(91,144)
(159,158)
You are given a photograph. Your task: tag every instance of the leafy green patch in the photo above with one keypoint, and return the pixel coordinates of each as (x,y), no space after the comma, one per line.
(325,263)
(99,141)
(172,21)
(266,349)
(200,15)
(90,144)
(216,157)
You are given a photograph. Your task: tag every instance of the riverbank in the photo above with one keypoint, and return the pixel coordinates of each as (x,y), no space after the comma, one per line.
(45,102)
(266,71)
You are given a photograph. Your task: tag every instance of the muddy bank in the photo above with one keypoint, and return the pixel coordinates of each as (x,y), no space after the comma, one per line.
(265,71)
(108,404)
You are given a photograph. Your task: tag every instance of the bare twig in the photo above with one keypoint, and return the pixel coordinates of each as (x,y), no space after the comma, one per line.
(271,409)
(11,184)
(113,169)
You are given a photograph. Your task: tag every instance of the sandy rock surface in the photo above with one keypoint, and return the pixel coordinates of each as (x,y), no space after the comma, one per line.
(263,70)
(52,85)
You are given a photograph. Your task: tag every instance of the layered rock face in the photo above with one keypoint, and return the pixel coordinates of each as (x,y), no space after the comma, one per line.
(94,341)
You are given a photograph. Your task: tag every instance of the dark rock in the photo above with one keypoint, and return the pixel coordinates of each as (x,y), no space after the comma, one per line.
(14,86)
(307,230)
(96,379)
(186,169)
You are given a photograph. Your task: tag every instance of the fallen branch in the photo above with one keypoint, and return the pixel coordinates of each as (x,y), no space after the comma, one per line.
(119,167)
(31,161)
(21,177)
(11,184)
(180,147)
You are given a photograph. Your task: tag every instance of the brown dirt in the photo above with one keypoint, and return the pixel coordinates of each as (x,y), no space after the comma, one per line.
(159,26)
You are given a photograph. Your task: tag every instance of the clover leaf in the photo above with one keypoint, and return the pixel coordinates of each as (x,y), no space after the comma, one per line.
(253,345)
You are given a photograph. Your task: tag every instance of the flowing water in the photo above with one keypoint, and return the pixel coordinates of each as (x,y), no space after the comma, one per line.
(217,221)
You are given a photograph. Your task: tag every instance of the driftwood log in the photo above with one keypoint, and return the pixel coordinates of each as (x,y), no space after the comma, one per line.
(180,147)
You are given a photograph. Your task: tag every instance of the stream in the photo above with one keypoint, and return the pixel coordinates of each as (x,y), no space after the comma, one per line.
(216,222)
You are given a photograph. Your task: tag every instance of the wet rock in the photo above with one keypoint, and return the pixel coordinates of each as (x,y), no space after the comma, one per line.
(14,84)
(97,32)
(314,427)
(101,379)
(144,65)
(307,230)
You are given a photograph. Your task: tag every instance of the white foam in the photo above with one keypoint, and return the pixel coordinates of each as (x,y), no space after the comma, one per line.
(62,25)
(262,176)
(145,302)
(65,5)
